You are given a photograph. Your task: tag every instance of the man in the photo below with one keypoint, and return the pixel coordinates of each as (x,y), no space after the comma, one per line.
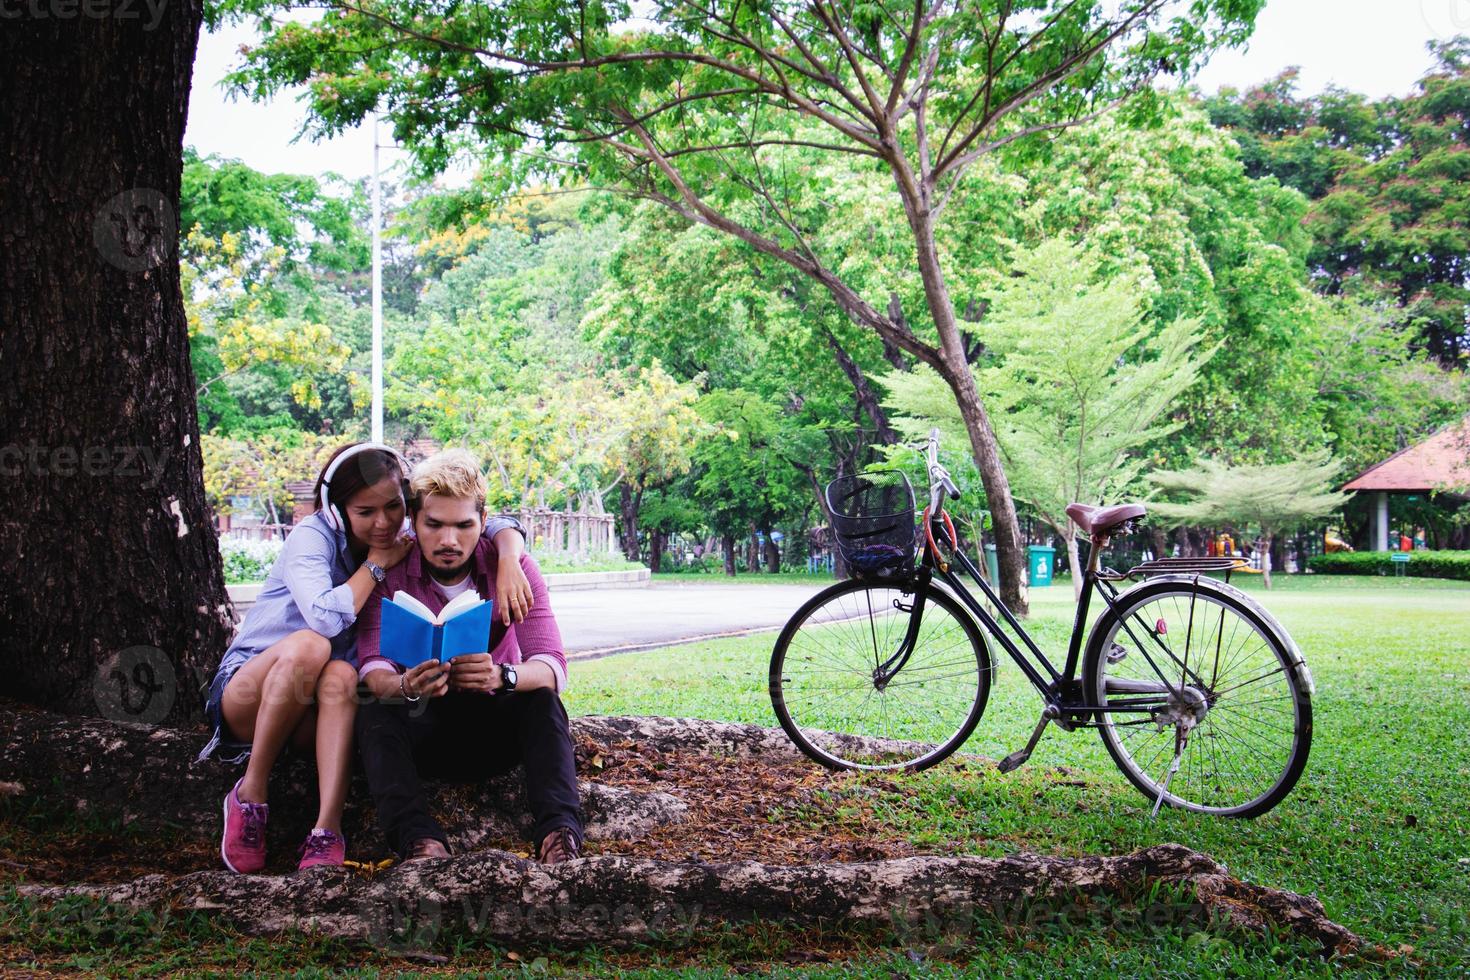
(481,713)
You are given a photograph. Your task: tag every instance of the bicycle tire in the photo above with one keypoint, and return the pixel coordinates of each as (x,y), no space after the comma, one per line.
(841,631)
(1272,721)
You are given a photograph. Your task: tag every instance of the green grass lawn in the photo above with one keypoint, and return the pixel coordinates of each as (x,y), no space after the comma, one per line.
(1377,828)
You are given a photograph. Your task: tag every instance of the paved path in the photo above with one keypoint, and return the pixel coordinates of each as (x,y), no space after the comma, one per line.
(599,622)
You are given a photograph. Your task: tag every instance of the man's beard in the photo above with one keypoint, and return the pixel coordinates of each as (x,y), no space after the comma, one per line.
(450,575)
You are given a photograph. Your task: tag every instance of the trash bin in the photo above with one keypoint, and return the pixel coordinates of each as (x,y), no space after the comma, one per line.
(1040,567)
(992,565)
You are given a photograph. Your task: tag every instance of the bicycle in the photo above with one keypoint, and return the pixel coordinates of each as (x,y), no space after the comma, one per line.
(1200,696)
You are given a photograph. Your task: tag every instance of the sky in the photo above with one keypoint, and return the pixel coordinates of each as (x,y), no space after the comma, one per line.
(1376,47)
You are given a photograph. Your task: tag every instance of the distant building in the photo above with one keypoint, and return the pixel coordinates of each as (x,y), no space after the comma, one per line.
(1439,464)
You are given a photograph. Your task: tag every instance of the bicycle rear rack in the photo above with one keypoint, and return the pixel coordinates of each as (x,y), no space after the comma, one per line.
(1176,566)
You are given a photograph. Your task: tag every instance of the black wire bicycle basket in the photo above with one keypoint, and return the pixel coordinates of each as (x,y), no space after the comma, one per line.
(873,523)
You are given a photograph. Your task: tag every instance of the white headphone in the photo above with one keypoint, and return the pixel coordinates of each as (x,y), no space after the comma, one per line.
(332,515)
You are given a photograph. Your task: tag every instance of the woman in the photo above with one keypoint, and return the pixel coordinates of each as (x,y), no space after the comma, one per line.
(290,672)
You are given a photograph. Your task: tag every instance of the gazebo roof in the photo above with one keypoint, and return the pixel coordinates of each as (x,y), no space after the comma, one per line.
(1438,463)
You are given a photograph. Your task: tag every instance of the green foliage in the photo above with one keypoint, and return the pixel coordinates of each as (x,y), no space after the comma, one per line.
(759,122)
(1375,392)
(261,466)
(1422,564)
(1078,379)
(1273,497)
(745,479)
(316,229)
(1218,246)
(1388,185)
(1269,498)
(247,561)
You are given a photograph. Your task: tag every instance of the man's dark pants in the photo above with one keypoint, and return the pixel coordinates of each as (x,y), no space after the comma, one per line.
(464,737)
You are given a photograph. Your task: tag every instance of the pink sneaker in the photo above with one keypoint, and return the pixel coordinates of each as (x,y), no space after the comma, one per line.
(243,845)
(322,847)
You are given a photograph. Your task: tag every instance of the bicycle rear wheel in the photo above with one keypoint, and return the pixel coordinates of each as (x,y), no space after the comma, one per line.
(1247,708)
(840,706)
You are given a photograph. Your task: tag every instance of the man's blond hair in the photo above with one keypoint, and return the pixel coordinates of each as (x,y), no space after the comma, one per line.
(449,473)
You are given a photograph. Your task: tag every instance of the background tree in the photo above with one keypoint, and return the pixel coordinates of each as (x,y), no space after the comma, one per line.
(745,484)
(658,429)
(707,110)
(1268,498)
(107,544)
(1387,179)
(1080,378)
(261,468)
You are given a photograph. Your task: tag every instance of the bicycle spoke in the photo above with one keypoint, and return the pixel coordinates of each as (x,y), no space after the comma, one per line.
(1242,740)
(827,677)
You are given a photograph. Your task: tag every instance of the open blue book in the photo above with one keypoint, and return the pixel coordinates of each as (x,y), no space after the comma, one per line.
(412,634)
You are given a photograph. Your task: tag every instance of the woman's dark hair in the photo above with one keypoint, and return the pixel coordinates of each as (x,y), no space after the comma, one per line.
(356,472)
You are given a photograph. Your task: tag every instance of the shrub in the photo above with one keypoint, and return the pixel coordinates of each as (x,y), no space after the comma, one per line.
(1422,564)
(248,561)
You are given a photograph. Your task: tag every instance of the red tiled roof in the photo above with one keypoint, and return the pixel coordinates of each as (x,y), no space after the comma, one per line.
(417,449)
(1438,463)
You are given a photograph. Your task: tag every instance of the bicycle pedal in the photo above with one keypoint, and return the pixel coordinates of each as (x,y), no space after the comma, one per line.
(1014,761)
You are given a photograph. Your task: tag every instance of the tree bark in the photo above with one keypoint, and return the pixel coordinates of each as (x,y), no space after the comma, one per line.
(773,554)
(629,503)
(1263,552)
(752,552)
(111,592)
(727,544)
(146,778)
(624,901)
(1005,525)
(656,550)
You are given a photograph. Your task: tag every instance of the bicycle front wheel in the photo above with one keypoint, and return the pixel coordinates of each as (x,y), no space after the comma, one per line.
(1181,654)
(853,693)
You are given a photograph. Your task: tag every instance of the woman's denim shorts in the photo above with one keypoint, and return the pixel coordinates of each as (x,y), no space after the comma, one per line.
(220,745)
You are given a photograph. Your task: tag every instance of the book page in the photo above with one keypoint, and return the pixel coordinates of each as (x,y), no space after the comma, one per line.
(415,606)
(460,603)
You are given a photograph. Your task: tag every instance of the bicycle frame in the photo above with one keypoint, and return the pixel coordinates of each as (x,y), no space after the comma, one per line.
(1060,689)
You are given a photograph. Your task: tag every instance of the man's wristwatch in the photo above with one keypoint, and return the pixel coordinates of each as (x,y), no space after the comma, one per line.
(376,571)
(507,678)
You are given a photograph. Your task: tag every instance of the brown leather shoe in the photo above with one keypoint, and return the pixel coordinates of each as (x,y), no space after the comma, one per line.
(558,846)
(426,848)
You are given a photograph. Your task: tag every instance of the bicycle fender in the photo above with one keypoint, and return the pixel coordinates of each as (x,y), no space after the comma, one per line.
(1293,652)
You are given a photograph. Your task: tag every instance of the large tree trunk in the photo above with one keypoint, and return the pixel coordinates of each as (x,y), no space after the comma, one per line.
(752,552)
(629,503)
(656,550)
(111,595)
(954,367)
(773,554)
(1005,526)
(727,545)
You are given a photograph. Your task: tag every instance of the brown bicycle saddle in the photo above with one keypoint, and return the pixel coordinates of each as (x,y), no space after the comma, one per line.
(1101,520)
